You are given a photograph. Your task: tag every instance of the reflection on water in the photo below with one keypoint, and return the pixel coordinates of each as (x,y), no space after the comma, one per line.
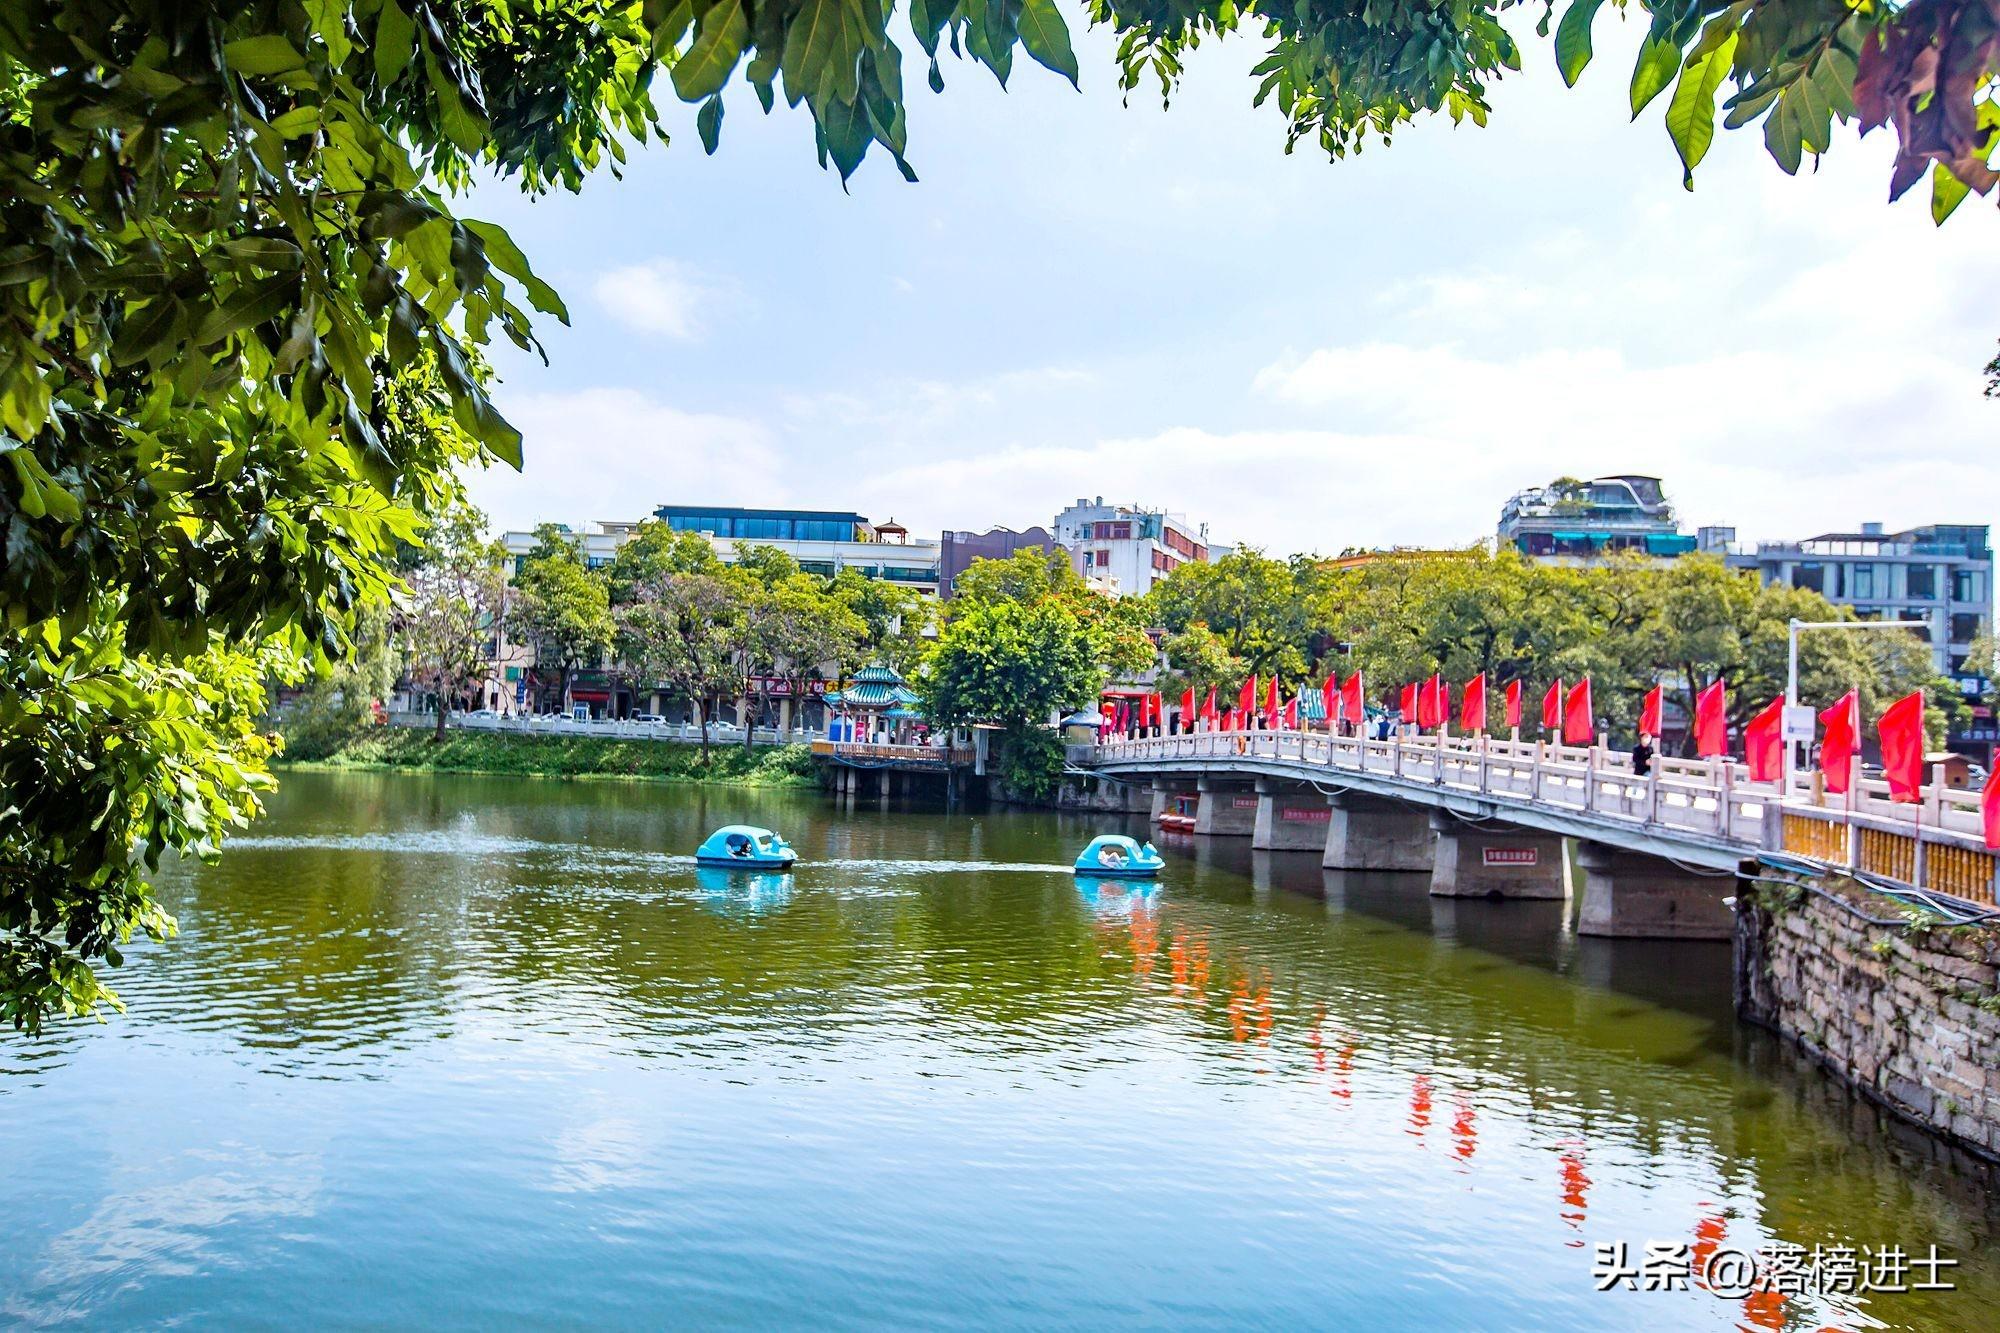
(463,1052)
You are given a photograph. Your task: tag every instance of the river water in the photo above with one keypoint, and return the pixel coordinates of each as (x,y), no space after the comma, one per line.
(462,1052)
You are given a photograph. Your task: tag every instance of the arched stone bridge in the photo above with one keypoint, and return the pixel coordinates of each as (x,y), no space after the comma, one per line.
(1660,854)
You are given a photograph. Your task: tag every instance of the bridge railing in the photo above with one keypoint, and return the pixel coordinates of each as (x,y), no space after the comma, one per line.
(1937,843)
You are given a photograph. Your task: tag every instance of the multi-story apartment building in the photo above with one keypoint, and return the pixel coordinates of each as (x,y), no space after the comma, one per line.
(1125,549)
(1574,522)
(1941,574)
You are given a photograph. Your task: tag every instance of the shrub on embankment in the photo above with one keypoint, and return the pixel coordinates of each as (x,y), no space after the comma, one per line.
(565,756)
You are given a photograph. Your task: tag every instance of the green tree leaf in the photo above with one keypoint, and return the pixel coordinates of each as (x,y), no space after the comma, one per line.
(718,45)
(395,42)
(1658,59)
(1573,39)
(1046,36)
(1947,192)
(1691,113)
(268,54)
(708,122)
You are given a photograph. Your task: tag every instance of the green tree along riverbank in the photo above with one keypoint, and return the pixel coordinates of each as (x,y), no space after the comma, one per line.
(413,749)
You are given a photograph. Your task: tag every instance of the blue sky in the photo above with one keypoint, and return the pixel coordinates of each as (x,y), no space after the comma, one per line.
(1081,297)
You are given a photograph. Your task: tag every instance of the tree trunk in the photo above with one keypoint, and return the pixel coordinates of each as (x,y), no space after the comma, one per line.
(444,706)
(701,718)
(565,690)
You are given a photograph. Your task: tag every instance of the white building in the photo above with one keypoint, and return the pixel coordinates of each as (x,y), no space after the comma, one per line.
(1125,549)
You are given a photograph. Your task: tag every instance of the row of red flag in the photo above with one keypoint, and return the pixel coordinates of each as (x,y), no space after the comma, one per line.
(1567,713)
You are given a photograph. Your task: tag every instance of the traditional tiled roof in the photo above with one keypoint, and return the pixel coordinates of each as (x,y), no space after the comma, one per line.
(875,686)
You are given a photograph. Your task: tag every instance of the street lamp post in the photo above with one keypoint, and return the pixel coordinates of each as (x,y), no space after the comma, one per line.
(1792,673)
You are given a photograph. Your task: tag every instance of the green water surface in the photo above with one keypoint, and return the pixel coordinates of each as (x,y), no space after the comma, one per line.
(467,1052)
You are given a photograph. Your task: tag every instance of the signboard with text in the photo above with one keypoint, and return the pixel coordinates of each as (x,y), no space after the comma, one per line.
(1511,856)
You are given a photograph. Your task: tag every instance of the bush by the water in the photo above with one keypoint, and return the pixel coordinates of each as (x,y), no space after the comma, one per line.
(565,756)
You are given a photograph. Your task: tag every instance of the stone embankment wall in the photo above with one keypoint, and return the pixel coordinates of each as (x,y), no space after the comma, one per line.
(1907,1014)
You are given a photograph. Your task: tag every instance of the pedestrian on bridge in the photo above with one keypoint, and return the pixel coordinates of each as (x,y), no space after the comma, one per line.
(1642,756)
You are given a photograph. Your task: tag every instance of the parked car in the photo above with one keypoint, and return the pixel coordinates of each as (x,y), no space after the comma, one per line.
(647,717)
(484,713)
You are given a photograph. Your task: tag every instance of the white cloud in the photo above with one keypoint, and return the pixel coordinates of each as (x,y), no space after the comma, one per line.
(616,453)
(662,296)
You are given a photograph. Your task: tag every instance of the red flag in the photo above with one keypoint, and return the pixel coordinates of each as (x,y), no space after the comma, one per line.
(1427,704)
(1443,702)
(1764,744)
(1472,704)
(1208,713)
(1552,707)
(1843,740)
(1353,705)
(1711,727)
(1292,713)
(1187,708)
(1330,700)
(1578,725)
(1159,711)
(1409,703)
(1271,704)
(1989,809)
(1513,704)
(1649,713)
(1901,732)
(1246,698)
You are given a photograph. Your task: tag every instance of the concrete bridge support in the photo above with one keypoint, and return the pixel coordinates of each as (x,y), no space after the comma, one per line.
(1634,896)
(1166,791)
(1376,833)
(1290,818)
(1226,809)
(1490,860)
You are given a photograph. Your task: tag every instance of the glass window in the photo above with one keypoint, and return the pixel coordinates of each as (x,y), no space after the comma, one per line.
(1965,626)
(1921,582)
(1809,576)
(1864,581)
(763,528)
(1968,585)
(822,530)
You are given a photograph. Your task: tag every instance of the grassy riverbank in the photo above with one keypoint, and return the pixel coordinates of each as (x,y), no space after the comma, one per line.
(505,753)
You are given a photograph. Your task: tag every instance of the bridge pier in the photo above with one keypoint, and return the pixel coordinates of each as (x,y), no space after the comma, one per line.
(1632,895)
(1226,809)
(1496,861)
(1166,791)
(1375,833)
(1290,818)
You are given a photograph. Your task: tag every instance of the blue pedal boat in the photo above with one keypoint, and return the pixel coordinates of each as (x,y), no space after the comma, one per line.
(745,847)
(1115,856)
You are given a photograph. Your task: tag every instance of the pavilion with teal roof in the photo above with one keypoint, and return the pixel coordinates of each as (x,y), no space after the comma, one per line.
(877,704)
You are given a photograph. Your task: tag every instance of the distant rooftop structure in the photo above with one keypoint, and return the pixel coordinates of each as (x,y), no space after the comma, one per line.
(1573,521)
(1126,548)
